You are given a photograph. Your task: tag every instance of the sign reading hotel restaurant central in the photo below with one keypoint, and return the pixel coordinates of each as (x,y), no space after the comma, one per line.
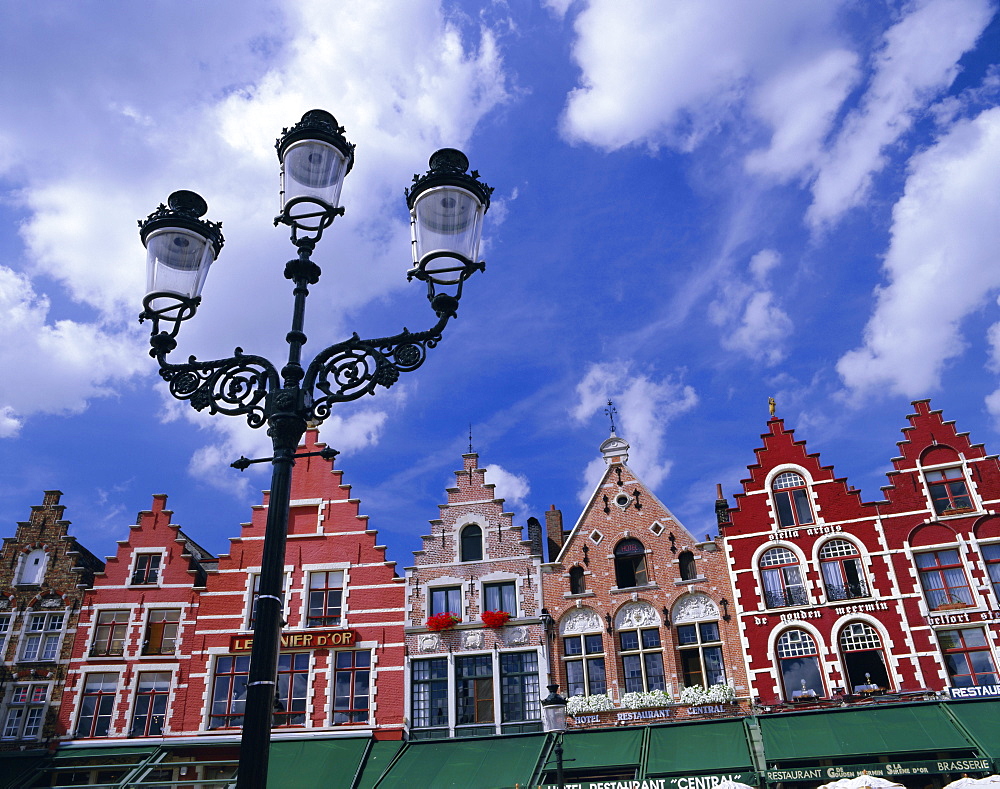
(310,639)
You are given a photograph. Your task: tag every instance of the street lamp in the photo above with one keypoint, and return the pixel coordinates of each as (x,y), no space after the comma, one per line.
(447,205)
(554,719)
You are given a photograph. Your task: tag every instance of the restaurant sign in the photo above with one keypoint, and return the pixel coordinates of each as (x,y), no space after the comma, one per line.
(675,782)
(881,769)
(313,639)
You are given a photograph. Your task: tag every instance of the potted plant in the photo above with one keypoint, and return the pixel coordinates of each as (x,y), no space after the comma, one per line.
(495,618)
(443,621)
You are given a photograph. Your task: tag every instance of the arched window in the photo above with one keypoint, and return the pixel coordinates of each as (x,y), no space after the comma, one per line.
(688,569)
(843,577)
(864,660)
(798,659)
(630,564)
(471,544)
(577,580)
(791,499)
(32,568)
(782,579)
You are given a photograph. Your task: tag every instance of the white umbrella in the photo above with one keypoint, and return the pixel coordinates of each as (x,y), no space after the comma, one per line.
(859,782)
(732,785)
(965,782)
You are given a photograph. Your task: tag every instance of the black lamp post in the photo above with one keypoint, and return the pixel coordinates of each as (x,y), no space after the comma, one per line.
(447,205)
(554,720)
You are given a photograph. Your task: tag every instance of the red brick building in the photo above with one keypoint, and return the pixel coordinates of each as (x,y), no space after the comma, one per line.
(163,649)
(639,604)
(836,597)
(481,581)
(43,572)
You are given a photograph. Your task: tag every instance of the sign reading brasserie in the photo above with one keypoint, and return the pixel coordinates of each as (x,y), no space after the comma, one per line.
(312,639)
(882,770)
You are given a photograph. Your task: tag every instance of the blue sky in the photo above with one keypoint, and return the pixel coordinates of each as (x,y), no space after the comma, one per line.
(697,206)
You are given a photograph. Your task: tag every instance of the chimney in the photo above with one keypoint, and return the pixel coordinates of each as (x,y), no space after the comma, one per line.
(721,507)
(535,536)
(554,531)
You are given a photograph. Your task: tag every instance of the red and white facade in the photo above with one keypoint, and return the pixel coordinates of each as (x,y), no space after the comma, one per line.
(838,597)
(163,644)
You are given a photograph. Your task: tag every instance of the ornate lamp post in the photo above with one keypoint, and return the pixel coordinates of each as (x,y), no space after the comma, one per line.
(554,720)
(447,205)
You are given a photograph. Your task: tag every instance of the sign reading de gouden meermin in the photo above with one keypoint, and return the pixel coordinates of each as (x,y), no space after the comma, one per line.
(313,639)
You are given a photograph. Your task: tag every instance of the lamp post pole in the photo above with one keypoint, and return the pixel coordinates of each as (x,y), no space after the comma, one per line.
(554,720)
(447,205)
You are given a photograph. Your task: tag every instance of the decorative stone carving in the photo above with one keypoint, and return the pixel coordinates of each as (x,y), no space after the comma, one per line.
(473,639)
(581,620)
(695,608)
(429,642)
(4,603)
(517,635)
(633,615)
(52,602)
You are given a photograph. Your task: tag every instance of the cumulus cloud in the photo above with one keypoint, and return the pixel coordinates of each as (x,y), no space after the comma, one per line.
(918,59)
(748,313)
(941,262)
(404,82)
(54,366)
(514,488)
(645,408)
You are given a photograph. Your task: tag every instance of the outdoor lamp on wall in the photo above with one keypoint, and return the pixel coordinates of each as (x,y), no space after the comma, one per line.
(554,710)
(447,206)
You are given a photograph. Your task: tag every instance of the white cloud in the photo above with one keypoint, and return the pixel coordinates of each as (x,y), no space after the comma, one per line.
(55,367)
(941,262)
(645,408)
(918,60)
(747,312)
(514,488)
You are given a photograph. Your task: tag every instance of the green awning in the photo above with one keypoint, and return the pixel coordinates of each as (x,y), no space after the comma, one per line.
(475,763)
(379,758)
(710,747)
(315,763)
(136,754)
(602,748)
(17,765)
(893,731)
(982,720)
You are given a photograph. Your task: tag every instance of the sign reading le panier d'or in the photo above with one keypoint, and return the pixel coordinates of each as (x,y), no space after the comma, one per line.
(310,639)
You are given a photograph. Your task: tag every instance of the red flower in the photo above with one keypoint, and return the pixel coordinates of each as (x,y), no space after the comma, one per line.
(445,621)
(495,618)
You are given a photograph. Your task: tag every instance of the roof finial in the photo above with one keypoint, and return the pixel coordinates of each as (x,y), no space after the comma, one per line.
(770,406)
(611,413)
(470,438)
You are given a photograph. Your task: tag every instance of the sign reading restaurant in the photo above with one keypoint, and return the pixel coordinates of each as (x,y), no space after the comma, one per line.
(881,770)
(675,782)
(312,639)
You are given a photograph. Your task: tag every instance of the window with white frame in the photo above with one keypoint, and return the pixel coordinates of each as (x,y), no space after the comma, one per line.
(782,579)
(97,705)
(25,712)
(109,634)
(519,697)
(161,631)
(5,621)
(948,490)
(798,660)
(291,692)
(252,616)
(791,500)
(642,659)
(229,691)
(446,600)
(500,597)
(843,575)
(864,658)
(991,553)
(943,579)
(700,648)
(147,569)
(474,689)
(150,711)
(471,543)
(351,686)
(326,598)
(429,689)
(583,657)
(630,564)
(967,657)
(40,642)
(32,569)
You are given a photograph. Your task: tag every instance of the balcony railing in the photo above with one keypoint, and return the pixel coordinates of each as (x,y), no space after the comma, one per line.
(779,598)
(847,592)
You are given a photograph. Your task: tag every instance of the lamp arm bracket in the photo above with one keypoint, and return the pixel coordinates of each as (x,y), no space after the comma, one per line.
(236,386)
(353,368)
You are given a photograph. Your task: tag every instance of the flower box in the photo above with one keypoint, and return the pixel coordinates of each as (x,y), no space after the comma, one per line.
(445,621)
(495,618)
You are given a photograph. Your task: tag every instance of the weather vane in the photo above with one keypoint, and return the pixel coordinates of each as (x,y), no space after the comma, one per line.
(611,413)
(470,438)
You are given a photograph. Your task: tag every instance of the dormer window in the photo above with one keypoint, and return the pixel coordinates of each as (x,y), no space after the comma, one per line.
(471,544)
(948,490)
(630,564)
(32,568)
(791,499)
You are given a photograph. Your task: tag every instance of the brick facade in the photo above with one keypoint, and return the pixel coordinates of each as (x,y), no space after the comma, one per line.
(471,678)
(638,603)
(43,574)
(840,598)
